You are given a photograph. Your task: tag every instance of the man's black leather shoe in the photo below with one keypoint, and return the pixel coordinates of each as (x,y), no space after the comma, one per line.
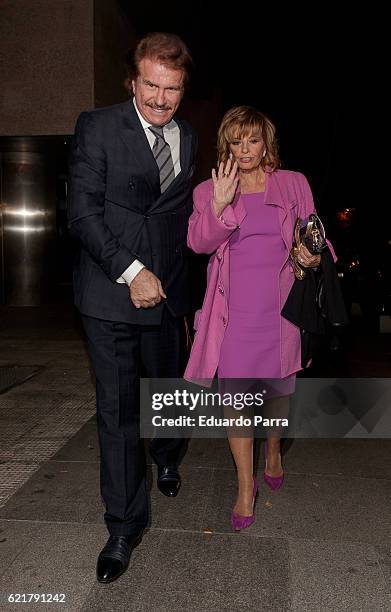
(114,557)
(168,480)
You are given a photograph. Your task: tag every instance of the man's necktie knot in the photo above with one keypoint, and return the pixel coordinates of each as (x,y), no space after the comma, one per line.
(157,131)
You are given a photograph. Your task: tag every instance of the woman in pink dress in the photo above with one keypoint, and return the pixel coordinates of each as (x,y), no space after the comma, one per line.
(244,217)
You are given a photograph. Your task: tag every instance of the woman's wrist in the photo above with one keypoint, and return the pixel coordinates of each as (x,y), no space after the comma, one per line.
(218,208)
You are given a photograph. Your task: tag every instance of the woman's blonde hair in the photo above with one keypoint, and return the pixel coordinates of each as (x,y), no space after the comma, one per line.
(242,121)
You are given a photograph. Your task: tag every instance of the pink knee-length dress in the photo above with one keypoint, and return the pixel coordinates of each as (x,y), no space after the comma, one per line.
(251,344)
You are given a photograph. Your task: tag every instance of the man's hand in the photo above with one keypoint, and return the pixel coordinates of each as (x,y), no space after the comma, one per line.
(146,290)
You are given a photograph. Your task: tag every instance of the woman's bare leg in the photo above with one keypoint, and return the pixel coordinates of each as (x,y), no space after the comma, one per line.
(277,408)
(243,450)
(273,457)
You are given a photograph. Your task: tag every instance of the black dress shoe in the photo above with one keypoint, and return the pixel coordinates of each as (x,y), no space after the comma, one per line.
(114,557)
(168,480)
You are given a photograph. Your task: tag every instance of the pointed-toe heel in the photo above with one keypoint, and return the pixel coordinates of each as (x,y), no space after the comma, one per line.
(274,482)
(238,521)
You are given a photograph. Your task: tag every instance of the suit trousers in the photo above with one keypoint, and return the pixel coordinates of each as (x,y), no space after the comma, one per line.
(118,351)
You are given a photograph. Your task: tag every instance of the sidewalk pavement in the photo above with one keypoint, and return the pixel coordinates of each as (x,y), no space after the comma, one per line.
(321,543)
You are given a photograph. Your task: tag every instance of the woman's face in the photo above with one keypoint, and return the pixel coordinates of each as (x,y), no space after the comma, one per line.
(248,150)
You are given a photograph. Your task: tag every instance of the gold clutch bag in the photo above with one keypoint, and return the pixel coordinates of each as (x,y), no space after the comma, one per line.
(312,235)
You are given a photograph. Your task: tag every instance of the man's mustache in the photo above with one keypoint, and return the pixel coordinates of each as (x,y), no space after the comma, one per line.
(155,107)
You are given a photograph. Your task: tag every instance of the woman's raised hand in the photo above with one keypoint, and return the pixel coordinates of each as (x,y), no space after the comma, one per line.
(225,183)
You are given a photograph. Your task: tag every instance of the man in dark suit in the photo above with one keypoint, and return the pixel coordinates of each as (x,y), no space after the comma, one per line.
(129,203)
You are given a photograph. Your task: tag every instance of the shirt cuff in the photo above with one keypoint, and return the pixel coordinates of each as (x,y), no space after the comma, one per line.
(131,272)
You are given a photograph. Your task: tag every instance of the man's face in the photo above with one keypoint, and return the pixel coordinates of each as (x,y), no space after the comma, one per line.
(158,90)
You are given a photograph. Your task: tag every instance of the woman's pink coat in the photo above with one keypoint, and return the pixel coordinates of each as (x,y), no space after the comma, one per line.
(290,193)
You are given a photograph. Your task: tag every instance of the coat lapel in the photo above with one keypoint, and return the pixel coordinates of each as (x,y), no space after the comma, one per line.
(276,191)
(133,135)
(277,195)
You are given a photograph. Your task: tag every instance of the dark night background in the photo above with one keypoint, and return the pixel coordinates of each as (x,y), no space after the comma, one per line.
(302,68)
(317,73)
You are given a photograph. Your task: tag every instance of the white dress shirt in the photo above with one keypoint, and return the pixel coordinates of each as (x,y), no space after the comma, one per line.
(172,136)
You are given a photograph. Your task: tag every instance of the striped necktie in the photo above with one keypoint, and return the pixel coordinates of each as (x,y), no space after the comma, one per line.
(162,154)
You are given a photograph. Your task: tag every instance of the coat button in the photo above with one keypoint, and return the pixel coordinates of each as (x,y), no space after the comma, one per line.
(221,289)
(219,257)
(131,185)
(224,321)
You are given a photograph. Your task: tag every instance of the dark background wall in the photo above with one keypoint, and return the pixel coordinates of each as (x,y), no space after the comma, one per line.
(47,64)
(113,36)
(59,57)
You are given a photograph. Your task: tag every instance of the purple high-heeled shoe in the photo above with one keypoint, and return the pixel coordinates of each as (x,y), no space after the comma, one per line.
(238,521)
(274,482)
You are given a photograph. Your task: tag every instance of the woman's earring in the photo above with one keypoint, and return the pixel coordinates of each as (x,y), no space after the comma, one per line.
(264,153)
